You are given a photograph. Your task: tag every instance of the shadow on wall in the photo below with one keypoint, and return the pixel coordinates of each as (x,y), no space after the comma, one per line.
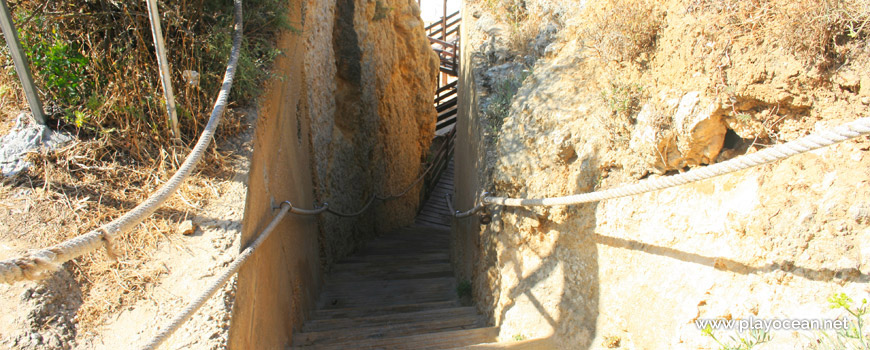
(542,265)
(725,264)
(560,293)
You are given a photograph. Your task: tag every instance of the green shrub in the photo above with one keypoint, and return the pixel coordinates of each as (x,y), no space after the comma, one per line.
(94,62)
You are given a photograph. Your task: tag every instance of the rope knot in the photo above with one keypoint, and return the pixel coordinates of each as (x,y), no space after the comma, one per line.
(109,243)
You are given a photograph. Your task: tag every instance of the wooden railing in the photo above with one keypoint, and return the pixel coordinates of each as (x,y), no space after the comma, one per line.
(440,159)
(444,37)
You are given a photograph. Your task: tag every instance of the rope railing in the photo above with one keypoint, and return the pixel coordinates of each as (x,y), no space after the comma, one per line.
(285,207)
(197,303)
(804,144)
(34,264)
(371,200)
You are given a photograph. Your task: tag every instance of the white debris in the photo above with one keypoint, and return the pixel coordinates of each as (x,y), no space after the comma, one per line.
(25,137)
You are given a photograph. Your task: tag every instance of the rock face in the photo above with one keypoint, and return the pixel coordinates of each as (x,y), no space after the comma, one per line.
(370,73)
(771,242)
(348,115)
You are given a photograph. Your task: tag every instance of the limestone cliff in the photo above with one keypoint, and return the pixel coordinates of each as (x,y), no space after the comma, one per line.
(370,75)
(573,97)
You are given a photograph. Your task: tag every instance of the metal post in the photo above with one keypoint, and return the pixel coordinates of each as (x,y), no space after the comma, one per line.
(21,65)
(165,78)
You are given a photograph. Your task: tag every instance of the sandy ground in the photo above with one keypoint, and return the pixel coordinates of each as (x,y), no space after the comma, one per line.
(43,315)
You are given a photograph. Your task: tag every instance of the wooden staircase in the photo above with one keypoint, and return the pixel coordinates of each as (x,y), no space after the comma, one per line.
(444,37)
(398,292)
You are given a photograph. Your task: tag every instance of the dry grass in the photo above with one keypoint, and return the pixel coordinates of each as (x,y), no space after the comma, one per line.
(95,66)
(76,189)
(124,151)
(621,30)
(814,30)
(523,23)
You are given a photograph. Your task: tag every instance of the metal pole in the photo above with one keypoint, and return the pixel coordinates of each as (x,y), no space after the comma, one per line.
(165,78)
(21,65)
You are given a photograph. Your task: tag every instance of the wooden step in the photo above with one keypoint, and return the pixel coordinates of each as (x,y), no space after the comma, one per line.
(530,344)
(381,310)
(428,341)
(421,230)
(389,319)
(410,327)
(339,299)
(391,272)
(446,105)
(422,243)
(373,288)
(399,258)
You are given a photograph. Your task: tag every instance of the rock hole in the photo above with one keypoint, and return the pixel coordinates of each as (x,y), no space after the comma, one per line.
(850,89)
(732,140)
(733,146)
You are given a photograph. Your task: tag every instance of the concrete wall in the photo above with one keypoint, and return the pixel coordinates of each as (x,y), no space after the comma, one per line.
(466,162)
(280,282)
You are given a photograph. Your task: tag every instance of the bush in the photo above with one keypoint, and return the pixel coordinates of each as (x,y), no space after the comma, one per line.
(95,65)
(620,30)
(813,29)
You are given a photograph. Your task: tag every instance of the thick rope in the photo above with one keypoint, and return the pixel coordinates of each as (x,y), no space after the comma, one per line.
(462,214)
(301,211)
(35,264)
(805,144)
(196,304)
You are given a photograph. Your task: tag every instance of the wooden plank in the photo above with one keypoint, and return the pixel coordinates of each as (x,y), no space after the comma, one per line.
(428,341)
(374,311)
(433,24)
(376,320)
(447,114)
(445,123)
(447,104)
(447,94)
(449,86)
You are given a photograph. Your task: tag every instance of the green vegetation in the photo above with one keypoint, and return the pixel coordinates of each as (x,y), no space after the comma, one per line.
(60,65)
(501,95)
(737,341)
(852,338)
(464,289)
(623,98)
(94,63)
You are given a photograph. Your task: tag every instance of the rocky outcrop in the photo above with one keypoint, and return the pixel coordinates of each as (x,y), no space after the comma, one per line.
(370,74)
(771,242)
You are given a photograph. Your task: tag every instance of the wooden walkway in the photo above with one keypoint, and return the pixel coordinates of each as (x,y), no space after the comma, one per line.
(397,293)
(435,212)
